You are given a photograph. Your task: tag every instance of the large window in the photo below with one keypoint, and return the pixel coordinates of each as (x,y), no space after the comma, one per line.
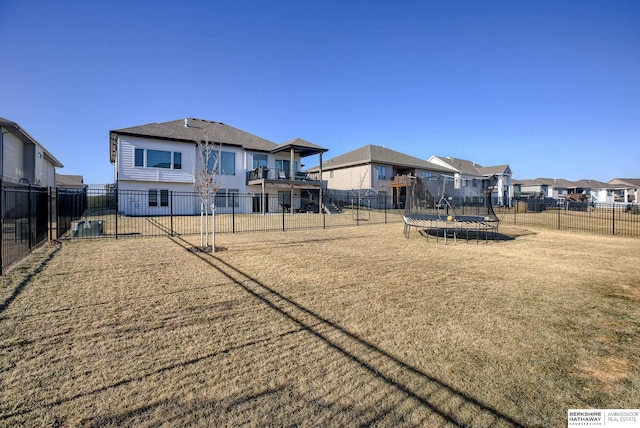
(382,172)
(260,160)
(285,165)
(227,165)
(157,159)
(228,198)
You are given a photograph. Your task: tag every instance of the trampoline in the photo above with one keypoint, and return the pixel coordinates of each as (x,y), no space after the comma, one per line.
(435,210)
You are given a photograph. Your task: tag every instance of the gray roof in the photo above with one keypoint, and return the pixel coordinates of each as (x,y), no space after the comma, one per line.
(561,183)
(303,147)
(471,168)
(194,130)
(630,182)
(65,180)
(24,136)
(371,154)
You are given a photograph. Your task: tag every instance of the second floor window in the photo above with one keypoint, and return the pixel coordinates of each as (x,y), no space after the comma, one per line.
(260,160)
(382,172)
(157,159)
(227,164)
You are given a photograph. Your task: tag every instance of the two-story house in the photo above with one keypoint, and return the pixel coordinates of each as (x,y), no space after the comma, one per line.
(468,177)
(23,159)
(155,162)
(375,173)
(626,190)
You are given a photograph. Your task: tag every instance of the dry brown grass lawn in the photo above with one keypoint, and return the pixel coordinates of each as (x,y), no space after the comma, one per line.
(339,327)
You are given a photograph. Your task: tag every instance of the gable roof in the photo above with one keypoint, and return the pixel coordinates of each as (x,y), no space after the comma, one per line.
(561,183)
(194,130)
(631,182)
(303,147)
(467,167)
(24,136)
(379,155)
(65,180)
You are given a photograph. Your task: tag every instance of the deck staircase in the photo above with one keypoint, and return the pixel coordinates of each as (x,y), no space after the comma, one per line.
(329,207)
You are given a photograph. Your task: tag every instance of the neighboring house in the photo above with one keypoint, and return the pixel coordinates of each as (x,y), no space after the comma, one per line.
(626,190)
(468,177)
(541,188)
(587,190)
(70,182)
(159,159)
(375,171)
(23,159)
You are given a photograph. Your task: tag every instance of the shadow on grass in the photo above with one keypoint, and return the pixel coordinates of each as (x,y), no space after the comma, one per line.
(420,388)
(27,279)
(474,236)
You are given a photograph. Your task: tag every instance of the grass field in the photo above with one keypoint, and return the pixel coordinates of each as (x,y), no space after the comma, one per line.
(340,327)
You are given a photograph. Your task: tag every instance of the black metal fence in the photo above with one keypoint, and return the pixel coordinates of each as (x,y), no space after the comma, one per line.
(603,219)
(125,213)
(29,215)
(24,220)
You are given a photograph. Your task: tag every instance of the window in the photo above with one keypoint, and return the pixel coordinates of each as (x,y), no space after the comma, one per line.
(227,165)
(330,174)
(284,197)
(259,160)
(153,197)
(426,174)
(221,198)
(234,197)
(158,159)
(382,172)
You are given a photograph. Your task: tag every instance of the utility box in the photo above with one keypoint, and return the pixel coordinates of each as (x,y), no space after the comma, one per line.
(87,229)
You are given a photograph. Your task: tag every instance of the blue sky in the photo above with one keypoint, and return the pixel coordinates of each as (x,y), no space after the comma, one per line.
(551,88)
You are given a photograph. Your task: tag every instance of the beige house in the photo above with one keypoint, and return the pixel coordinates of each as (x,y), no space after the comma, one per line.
(376,173)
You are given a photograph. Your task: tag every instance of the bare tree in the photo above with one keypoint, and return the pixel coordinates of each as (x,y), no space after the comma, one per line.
(206,187)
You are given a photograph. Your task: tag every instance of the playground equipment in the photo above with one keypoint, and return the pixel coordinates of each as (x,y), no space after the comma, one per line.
(435,210)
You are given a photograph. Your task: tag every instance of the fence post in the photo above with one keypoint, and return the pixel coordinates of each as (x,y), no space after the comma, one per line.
(233,212)
(50,214)
(29,214)
(171,210)
(283,210)
(613,218)
(2,195)
(117,209)
(559,219)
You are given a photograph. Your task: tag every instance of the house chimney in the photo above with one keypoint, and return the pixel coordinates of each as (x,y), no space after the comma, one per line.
(186,124)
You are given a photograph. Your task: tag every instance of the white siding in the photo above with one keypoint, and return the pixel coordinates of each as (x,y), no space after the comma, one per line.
(133,199)
(127,170)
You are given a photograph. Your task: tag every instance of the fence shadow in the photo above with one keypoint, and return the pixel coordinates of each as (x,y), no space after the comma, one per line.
(424,391)
(19,288)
